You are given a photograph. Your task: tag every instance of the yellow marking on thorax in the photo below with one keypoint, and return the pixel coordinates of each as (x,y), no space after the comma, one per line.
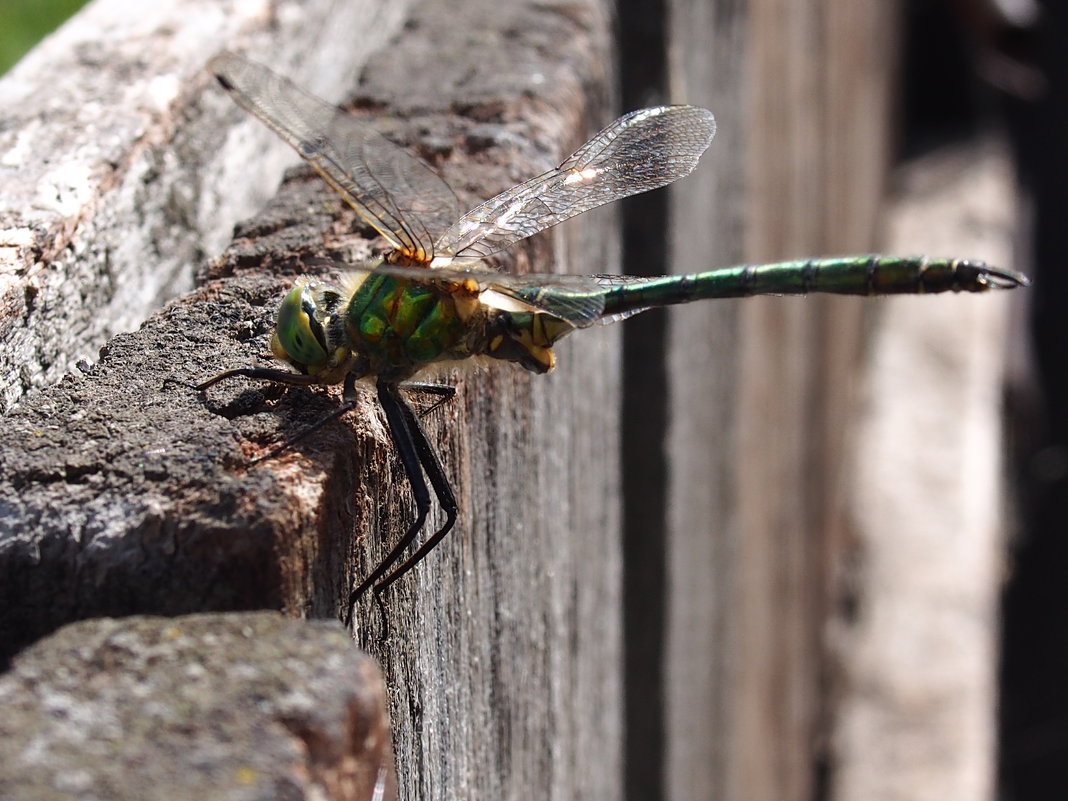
(466,298)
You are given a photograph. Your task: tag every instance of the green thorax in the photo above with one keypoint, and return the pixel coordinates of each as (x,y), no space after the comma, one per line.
(398,325)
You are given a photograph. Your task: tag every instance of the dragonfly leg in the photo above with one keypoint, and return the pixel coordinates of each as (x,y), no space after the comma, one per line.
(445,393)
(263,374)
(177,383)
(435,471)
(348,403)
(417,455)
(399,418)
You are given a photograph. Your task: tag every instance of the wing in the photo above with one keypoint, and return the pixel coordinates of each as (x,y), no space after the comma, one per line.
(399,195)
(643,150)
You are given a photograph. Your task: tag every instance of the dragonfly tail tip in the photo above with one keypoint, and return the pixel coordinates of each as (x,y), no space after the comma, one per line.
(999,278)
(987,276)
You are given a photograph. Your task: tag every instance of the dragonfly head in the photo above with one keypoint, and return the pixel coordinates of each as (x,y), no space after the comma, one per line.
(305,333)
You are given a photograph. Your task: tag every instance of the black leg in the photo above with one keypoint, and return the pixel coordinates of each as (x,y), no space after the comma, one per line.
(445,393)
(428,456)
(348,403)
(175,382)
(297,379)
(399,418)
(262,373)
(417,455)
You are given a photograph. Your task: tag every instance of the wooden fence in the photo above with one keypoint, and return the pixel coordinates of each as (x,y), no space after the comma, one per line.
(724,627)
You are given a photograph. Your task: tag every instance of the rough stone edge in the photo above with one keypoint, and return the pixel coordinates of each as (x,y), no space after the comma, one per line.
(179,708)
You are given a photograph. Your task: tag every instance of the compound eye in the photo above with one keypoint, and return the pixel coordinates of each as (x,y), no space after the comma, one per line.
(298,336)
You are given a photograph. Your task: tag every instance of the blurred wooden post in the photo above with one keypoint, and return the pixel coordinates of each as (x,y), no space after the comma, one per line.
(765,576)
(503,659)
(764,383)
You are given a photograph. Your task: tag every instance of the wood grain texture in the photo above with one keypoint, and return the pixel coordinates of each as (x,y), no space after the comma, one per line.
(802,95)
(803,591)
(124,492)
(820,117)
(117,172)
(703,559)
(504,653)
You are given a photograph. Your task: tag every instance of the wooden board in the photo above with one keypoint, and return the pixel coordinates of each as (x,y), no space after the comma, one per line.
(126,492)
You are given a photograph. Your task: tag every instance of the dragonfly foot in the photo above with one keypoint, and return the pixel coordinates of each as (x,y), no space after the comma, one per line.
(183,384)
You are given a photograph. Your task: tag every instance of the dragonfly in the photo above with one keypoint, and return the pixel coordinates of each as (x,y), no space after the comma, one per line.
(431,298)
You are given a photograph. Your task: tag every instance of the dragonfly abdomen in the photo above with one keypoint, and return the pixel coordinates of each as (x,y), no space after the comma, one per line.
(852,275)
(875,275)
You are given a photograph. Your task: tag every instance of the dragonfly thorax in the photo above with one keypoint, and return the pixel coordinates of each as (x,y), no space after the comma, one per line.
(392,327)
(398,325)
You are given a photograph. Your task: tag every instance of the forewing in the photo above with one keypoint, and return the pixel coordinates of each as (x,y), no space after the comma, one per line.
(405,201)
(643,150)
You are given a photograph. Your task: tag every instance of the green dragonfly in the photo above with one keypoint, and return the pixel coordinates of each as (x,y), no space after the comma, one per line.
(431,299)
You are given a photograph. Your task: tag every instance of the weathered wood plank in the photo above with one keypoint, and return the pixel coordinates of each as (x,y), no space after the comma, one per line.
(117,173)
(753,527)
(820,108)
(505,654)
(708,56)
(782,579)
(123,493)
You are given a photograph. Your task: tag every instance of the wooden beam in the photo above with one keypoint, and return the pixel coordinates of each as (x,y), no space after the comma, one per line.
(127,492)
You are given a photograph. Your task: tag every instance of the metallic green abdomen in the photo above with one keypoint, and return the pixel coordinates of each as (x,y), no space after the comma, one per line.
(398,325)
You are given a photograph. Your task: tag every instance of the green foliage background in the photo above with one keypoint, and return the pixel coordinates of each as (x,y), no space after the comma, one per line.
(23,23)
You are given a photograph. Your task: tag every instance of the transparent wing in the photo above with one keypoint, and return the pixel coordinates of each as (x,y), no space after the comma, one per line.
(393,191)
(643,150)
